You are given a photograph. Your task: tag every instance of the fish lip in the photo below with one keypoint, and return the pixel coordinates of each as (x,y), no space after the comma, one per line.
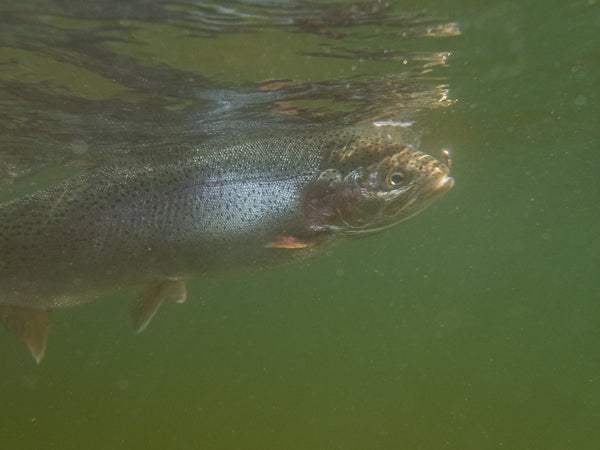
(445,184)
(436,189)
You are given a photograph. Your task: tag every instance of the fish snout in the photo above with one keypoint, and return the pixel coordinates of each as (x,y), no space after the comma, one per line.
(444,184)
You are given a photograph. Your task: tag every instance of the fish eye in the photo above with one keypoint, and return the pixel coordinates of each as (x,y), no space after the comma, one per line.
(395,178)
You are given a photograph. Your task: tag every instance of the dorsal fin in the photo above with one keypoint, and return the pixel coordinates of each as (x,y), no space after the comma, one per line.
(146,304)
(29,325)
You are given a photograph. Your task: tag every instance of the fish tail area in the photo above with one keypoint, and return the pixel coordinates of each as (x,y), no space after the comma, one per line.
(147,303)
(29,325)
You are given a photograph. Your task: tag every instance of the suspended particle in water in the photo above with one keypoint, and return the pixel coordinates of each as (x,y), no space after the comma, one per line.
(580,100)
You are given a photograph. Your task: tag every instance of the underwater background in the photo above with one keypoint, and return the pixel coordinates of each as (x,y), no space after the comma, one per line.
(475,325)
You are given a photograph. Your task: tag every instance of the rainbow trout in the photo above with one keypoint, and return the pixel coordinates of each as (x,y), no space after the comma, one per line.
(156,219)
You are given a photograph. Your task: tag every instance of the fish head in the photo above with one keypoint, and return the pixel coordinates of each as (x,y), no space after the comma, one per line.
(374,188)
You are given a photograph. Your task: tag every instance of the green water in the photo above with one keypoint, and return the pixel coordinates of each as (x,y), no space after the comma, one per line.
(475,325)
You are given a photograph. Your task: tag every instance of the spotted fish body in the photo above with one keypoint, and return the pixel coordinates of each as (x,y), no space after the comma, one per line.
(155,219)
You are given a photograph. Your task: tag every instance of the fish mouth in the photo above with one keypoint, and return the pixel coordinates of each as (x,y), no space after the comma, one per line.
(436,188)
(444,185)
(433,190)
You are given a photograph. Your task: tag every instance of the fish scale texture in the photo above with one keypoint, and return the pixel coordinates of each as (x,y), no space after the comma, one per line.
(220,208)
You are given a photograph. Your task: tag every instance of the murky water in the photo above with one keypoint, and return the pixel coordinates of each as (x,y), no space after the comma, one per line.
(474,325)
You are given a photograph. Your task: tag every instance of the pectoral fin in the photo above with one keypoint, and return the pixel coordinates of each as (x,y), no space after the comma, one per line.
(29,325)
(149,300)
(290,242)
